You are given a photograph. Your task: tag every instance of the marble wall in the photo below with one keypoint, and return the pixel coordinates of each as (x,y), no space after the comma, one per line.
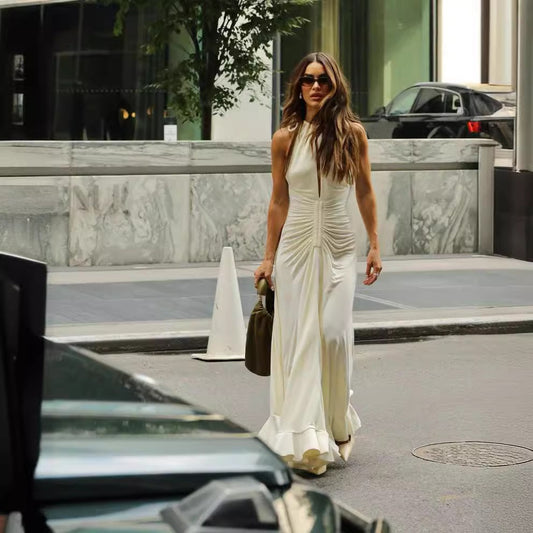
(228,210)
(120,220)
(404,151)
(72,158)
(34,217)
(444,216)
(425,212)
(101,204)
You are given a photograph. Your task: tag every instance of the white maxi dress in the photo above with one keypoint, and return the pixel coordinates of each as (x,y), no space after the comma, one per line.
(312,337)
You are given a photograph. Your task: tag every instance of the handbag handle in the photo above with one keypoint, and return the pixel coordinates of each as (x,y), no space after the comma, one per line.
(263,289)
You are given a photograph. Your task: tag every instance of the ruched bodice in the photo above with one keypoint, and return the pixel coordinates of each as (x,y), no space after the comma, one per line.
(316,217)
(312,336)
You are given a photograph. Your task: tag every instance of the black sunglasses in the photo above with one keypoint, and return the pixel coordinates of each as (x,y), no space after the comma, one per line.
(308,80)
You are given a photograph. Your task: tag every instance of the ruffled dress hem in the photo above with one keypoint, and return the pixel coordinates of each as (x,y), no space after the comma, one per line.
(311,449)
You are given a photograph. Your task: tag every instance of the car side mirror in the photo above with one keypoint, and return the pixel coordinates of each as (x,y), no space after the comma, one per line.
(379,112)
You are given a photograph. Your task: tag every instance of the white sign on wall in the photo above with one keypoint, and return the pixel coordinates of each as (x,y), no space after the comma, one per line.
(170,132)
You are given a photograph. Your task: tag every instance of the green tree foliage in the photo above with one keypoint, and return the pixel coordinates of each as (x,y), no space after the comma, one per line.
(225,36)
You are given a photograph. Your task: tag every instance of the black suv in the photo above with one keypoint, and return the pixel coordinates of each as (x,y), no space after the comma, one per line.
(443,110)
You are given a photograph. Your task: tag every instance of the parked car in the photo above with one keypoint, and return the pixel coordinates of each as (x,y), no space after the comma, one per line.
(444,110)
(87,447)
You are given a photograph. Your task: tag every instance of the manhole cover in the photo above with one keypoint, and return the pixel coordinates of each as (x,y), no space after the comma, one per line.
(474,453)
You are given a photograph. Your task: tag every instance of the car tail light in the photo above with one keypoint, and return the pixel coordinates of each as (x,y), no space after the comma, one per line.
(474,127)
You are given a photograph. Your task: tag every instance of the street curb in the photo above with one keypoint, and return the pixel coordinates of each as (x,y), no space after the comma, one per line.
(154,344)
(377,334)
(363,333)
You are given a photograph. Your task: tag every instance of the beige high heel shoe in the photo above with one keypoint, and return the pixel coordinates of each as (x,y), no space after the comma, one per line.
(304,470)
(345,448)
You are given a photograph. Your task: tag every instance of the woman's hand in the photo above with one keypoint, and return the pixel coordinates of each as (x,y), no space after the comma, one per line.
(264,270)
(373,266)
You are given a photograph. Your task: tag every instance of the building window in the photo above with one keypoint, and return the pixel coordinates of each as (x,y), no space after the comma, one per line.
(68,77)
(18,109)
(18,67)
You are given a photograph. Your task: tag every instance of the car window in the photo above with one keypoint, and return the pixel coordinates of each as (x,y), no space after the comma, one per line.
(429,100)
(452,102)
(485,105)
(403,102)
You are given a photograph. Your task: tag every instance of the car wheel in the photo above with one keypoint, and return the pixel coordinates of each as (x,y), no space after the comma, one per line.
(441,132)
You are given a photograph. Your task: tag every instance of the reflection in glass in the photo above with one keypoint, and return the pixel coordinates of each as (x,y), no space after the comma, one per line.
(403,102)
(76,80)
(383,46)
(18,109)
(311,510)
(18,67)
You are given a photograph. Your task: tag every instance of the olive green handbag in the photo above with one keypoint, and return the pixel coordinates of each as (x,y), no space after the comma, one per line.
(259,333)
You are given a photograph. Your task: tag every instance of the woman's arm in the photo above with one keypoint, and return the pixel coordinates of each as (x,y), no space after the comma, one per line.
(366,200)
(279,204)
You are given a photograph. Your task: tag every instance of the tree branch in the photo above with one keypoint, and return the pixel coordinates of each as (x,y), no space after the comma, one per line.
(225,37)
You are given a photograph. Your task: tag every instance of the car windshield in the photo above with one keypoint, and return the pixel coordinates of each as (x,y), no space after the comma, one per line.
(403,102)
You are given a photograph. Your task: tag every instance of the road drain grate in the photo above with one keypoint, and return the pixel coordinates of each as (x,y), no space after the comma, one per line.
(474,453)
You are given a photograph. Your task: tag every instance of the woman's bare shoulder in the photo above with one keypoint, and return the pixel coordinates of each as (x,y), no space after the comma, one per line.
(281,140)
(359,130)
(282,135)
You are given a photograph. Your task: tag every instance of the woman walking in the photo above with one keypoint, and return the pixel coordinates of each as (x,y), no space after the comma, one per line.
(319,156)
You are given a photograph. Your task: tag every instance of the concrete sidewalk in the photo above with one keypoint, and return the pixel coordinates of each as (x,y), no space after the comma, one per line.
(144,308)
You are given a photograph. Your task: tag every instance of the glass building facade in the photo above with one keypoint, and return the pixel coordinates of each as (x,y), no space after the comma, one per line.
(64,75)
(383,46)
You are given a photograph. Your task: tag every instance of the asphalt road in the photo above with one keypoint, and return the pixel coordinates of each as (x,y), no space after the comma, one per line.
(464,388)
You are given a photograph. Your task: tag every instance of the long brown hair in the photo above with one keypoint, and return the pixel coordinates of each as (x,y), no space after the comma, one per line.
(334,140)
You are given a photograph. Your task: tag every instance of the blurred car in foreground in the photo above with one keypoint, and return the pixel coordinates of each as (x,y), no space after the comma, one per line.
(88,448)
(443,110)
(118,454)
